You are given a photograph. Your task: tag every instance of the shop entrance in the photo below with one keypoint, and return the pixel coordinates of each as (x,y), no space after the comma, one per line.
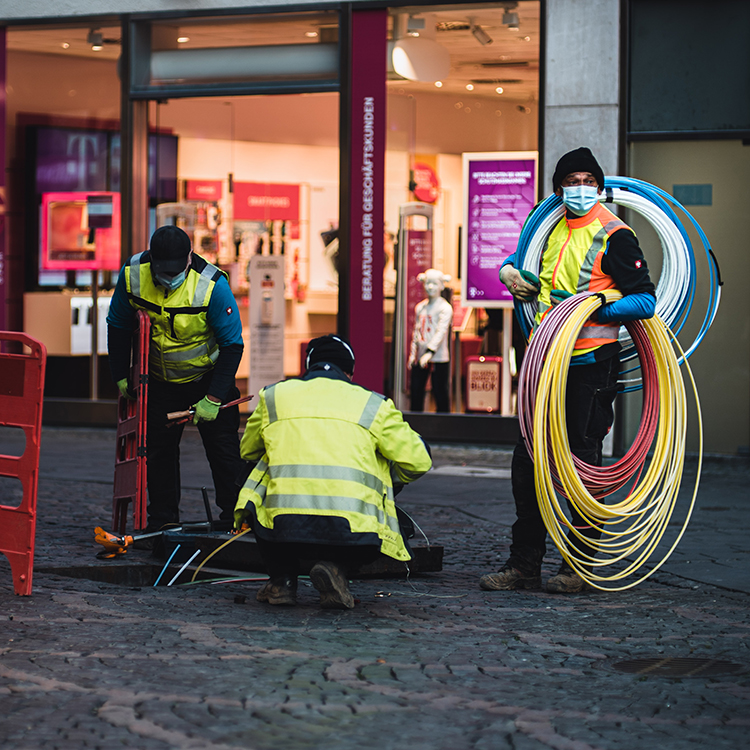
(281,129)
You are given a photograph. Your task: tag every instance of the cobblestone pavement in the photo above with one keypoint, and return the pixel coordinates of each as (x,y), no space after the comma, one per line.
(430,662)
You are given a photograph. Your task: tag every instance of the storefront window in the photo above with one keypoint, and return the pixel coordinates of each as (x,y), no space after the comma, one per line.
(472,87)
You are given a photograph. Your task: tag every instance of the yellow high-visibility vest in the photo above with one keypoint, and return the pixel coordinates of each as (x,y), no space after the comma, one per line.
(183,347)
(325,450)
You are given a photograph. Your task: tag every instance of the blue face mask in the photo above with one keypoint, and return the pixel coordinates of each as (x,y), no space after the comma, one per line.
(170,283)
(580,199)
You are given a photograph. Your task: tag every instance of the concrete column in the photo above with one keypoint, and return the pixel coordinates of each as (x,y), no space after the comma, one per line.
(582,82)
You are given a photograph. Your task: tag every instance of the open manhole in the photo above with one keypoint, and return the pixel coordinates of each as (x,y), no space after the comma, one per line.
(671,666)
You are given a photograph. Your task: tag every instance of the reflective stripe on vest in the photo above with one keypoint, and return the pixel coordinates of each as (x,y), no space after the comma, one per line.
(370,411)
(335,503)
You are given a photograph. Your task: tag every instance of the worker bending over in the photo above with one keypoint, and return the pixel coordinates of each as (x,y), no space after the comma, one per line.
(328,453)
(196,347)
(589,250)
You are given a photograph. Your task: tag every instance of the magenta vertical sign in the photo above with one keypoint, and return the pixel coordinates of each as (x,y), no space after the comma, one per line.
(3,192)
(367,181)
(499,193)
(418,260)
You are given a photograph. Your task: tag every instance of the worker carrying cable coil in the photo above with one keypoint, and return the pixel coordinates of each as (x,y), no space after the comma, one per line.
(589,250)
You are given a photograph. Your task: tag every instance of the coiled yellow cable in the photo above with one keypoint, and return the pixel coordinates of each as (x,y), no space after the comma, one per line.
(631,528)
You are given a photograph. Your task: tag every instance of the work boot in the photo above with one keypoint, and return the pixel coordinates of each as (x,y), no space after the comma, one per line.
(332,585)
(565,581)
(279,590)
(508,578)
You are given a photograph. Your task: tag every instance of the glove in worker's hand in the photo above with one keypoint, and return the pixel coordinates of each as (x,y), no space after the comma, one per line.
(122,386)
(558,295)
(206,410)
(523,285)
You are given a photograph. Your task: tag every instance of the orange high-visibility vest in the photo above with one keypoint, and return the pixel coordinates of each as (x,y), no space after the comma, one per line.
(572,261)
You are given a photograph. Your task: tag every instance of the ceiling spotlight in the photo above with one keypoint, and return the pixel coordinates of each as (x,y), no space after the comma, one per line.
(438,84)
(510,19)
(311,34)
(182,39)
(65,45)
(95,39)
(470,87)
(499,90)
(480,34)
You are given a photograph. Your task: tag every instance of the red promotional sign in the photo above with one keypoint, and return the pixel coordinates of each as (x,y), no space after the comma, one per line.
(426,183)
(258,201)
(81,231)
(203,190)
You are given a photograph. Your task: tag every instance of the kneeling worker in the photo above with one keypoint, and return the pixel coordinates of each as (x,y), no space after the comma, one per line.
(327,452)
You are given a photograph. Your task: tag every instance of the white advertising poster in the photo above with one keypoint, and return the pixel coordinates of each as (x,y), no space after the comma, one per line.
(266,319)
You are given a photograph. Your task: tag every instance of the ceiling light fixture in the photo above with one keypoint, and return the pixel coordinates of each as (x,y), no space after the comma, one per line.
(499,90)
(97,41)
(438,84)
(65,45)
(311,34)
(510,19)
(182,39)
(470,87)
(480,34)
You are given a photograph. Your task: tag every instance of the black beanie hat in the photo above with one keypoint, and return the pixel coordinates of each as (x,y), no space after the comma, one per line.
(169,247)
(332,349)
(580,160)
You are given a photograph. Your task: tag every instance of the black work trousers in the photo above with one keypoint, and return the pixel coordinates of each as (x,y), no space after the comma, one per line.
(283,558)
(220,440)
(589,403)
(440,374)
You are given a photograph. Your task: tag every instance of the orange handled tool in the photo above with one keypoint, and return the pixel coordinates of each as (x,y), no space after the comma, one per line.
(115,544)
(178,417)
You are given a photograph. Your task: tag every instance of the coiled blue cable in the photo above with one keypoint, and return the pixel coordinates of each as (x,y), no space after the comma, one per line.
(654,203)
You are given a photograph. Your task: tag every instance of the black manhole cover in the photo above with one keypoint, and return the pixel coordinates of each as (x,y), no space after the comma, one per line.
(678,667)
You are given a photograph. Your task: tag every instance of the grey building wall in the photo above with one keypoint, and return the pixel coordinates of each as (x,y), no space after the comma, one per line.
(582,82)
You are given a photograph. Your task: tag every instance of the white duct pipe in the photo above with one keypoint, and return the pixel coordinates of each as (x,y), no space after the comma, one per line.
(242,63)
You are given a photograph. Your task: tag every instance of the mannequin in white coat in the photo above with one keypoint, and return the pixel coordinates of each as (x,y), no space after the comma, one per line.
(429,355)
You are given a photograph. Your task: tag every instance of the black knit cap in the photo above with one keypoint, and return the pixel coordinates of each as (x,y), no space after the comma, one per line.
(335,350)
(169,248)
(580,160)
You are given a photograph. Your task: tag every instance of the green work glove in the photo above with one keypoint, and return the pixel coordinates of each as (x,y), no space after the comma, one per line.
(530,278)
(206,410)
(122,386)
(558,295)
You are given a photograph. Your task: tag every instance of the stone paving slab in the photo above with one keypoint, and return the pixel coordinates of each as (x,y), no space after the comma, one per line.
(428,662)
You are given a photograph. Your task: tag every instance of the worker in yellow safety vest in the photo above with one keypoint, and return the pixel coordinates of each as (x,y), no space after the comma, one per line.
(195,349)
(590,249)
(328,453)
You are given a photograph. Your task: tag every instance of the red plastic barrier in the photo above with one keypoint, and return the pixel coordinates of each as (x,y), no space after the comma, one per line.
(21,397)
(130,456)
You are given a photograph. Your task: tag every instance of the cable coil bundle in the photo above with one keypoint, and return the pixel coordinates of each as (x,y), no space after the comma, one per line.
(631,528)
(675,291)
